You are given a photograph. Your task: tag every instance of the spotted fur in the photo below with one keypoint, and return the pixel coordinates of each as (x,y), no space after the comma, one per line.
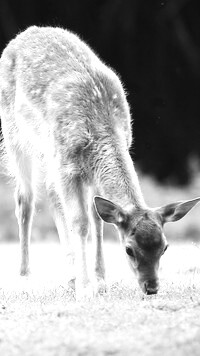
(66,121)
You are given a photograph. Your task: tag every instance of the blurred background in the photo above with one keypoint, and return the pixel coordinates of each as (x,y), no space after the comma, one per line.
(155,48)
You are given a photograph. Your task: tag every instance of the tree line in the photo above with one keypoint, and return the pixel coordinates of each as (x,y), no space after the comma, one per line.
(155,48)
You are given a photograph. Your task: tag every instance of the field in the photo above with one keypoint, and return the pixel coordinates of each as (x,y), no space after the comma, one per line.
(39,314)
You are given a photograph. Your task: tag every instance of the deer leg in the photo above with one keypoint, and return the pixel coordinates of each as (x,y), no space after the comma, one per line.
(97,239)
(60,222)
(74,198)
(24,199)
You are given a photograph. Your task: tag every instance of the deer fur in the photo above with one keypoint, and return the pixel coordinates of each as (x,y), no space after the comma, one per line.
(66,120)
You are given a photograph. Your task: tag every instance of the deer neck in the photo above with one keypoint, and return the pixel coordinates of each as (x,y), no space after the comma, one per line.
(117,179)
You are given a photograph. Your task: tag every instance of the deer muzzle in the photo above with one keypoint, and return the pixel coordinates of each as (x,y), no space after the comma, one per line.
(150,286)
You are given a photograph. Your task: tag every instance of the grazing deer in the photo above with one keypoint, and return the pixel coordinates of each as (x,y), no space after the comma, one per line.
(65,114)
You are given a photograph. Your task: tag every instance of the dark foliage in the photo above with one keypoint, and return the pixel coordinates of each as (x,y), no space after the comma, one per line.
(155,46)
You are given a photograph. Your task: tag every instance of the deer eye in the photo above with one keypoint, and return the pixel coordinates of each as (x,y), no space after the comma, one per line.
(129,251)
(165,249)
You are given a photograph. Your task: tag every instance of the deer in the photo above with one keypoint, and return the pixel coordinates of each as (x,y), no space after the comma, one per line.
(66,123)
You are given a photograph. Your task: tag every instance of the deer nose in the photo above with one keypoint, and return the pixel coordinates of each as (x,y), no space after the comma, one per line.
(151,286)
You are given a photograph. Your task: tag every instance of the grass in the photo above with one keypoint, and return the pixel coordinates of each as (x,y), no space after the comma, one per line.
(39,315)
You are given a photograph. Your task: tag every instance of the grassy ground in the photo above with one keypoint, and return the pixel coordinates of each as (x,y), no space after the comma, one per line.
(39,315)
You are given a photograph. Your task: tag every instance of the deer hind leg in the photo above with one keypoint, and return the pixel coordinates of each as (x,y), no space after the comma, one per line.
(24,198)
(60,222)
(97,239)
(20,166)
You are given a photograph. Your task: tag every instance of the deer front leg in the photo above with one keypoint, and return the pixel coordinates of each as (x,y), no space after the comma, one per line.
(64,236)
(99,264)
(74,200)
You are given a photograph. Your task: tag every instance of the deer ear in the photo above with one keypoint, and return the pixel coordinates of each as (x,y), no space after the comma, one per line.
(108,211)
(176,211)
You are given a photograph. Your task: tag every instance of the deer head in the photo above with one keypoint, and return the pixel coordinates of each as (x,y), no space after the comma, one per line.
(142,234)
